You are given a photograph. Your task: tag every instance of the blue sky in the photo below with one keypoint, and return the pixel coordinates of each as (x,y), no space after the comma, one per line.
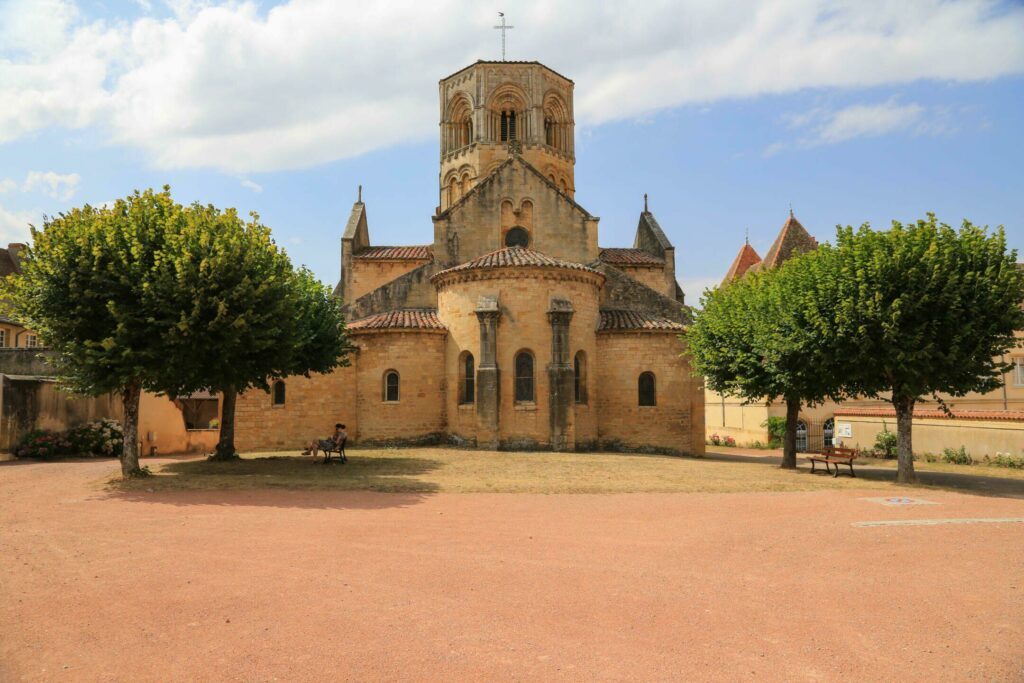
(105,97)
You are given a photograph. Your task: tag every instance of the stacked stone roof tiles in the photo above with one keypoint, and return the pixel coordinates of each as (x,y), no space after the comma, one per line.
(513,257)
(793,240)
(401,319)
(629,257)
(416,252)
(635,320)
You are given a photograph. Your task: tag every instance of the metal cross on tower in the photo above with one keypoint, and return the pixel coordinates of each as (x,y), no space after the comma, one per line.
(504,27)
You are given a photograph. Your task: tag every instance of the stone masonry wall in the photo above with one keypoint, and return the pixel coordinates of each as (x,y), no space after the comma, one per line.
(412,290)
(473,229)
(676,423)
(312,406)
(419,415)
(368,274)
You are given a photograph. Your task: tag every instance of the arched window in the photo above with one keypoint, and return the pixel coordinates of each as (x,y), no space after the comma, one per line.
(465,183)
(467,385)
(645,389)
(391,386)
(279,392)
(565,186)
(517,237)
(453,189)
(579,377)
(828,432)
(524,376)
(549,131)
(801,436)
(508,126)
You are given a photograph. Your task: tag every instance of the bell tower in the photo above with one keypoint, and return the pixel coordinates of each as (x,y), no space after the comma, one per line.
(490,110)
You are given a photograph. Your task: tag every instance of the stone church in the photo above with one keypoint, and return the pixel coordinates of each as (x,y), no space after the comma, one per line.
(512,328)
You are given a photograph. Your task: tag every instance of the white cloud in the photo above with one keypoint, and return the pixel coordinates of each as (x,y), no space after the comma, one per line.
(56,185)
(869,120)
(250,185)
(823,126)
(14,225)
(7,185)
(240,89)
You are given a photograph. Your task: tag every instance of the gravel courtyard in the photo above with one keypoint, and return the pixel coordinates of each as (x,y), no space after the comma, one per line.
(98,584)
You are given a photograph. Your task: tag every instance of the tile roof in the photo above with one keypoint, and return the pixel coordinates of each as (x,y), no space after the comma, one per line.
(934,413)
(402,319)
(744,260)
(417,252)
(636,320)
(512,257)
(792,240)
(629,257)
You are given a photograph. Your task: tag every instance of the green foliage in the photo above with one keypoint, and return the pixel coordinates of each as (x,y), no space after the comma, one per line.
(776,427)
(923,308)
(1005,460)
(767,337)
(87,287)
(885,442)
(957,457)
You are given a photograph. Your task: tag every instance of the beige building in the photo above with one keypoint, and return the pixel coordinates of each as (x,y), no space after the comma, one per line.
(511,328)
(985,424)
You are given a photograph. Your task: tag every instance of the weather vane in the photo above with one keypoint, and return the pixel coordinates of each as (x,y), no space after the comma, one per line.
(503,27)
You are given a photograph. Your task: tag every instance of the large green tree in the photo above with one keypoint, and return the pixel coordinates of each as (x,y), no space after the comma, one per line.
(922,309)
(243,315)
(88,287)
(765,338)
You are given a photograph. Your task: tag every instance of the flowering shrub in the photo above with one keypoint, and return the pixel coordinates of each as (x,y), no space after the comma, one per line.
(102,438)
(715,440)
(1005,460)
(729,441)
(44,445)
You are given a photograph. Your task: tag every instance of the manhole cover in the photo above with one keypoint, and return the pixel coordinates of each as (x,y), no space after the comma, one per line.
(899,500)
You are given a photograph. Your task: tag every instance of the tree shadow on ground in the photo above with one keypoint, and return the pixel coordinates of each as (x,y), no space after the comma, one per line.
(362,483)
(975,484)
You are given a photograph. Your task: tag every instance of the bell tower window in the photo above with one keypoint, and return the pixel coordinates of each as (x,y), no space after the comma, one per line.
(517,237)
(508,126)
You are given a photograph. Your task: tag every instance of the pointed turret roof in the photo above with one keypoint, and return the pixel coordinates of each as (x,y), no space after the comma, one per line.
(744,260)
(793,240)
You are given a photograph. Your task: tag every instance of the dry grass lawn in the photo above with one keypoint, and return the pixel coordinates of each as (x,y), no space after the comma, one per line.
(423,470)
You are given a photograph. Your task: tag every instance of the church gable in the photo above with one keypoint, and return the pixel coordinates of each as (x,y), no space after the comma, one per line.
(515,206)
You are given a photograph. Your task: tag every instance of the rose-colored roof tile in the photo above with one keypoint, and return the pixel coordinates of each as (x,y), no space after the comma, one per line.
(420,252)
(629,257)
(635,320)
(402,319)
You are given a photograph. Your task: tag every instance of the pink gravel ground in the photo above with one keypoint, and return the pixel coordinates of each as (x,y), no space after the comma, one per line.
(290,585)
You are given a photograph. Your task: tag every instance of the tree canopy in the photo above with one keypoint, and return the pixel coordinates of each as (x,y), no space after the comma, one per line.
(767,337)
(923,308)
(89,288)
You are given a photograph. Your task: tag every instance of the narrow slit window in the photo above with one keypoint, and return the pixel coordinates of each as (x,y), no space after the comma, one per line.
(646,389)
(391,386)
(524,376)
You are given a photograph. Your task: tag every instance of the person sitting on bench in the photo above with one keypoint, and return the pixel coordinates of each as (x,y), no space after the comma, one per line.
(332,443)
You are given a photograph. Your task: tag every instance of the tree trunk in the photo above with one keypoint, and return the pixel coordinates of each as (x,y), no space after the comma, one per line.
(226,443)
(904,446)
(130,395)
(789,439)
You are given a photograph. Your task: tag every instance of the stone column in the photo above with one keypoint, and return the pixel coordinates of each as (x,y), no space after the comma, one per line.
(488,396)
(560,378)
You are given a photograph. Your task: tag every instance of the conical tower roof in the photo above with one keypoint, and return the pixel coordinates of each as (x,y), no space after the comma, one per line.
(741,264)
(793,240)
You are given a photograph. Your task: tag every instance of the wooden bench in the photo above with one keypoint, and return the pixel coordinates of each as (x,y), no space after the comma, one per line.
(339,449)
(834,455)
